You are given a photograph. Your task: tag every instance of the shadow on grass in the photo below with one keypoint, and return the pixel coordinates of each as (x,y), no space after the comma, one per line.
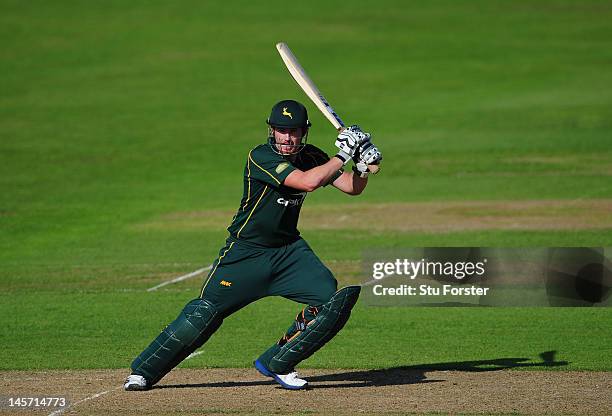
(394,376)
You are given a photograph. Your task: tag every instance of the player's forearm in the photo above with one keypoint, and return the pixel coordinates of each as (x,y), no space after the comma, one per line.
(351,183)
(320,175)
(358,184)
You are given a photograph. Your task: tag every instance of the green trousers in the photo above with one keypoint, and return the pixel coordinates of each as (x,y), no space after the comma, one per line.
(241,274)
(244,273)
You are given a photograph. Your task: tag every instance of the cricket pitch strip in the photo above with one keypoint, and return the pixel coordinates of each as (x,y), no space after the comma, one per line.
(390,391)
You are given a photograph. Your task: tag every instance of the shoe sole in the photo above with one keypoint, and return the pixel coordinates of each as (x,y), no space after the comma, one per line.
(264,371)
(135,387)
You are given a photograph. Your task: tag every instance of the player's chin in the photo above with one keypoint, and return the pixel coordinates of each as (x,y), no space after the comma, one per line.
(288,150)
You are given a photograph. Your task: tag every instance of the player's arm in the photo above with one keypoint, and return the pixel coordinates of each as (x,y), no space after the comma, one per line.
(350,183)
(313,178)
(348,143)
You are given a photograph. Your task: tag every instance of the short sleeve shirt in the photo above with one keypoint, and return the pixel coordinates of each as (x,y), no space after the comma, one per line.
(269,211)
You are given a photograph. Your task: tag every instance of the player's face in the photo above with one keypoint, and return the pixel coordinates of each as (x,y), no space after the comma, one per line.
(288,140)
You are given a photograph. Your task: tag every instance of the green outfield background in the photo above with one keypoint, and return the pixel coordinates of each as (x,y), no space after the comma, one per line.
(124,124)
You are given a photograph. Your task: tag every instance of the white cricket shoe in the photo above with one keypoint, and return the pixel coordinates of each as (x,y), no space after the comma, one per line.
(136,382)
(289,381)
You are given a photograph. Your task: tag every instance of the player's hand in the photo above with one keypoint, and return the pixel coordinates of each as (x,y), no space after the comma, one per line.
(348,142)
(361,170)
(367,154)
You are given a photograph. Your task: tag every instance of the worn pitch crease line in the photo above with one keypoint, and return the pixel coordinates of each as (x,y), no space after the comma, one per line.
(180,278)
(95,396)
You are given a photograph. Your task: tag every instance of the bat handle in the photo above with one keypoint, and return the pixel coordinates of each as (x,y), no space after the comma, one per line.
(372,168)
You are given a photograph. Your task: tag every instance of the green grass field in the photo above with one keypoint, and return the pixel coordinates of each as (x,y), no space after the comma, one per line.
(116,115)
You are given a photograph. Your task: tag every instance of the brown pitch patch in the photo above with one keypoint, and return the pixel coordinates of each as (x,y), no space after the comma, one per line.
(345,392)
(433,217)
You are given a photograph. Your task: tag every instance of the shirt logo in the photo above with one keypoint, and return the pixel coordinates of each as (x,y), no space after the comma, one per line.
(281,167)
(287,113)
(225,283)
(292,202)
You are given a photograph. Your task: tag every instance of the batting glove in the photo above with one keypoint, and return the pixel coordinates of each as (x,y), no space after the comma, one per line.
(348,142)
(367,154)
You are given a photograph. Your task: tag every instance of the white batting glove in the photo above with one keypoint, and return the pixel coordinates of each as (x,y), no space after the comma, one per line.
(361,169)
(367,154)
(348,142)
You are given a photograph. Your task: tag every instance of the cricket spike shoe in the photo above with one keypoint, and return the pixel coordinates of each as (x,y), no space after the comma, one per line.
(135,382)
(289,381)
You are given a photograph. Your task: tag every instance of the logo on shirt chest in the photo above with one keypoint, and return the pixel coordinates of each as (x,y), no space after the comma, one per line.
(281,167)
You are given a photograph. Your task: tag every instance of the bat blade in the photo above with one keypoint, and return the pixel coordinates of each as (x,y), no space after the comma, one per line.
(308,86)
(311,90)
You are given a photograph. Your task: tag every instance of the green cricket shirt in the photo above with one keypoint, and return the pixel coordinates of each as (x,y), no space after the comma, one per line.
(269,211)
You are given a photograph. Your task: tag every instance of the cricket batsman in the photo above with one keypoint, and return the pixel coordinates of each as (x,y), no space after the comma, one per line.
(264,254)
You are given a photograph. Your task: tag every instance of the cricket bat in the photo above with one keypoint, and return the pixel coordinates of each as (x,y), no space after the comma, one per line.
(306,84)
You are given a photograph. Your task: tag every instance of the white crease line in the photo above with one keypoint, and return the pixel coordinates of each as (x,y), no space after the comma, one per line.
(371,282)
(180,278)
(62,410)
(194,354)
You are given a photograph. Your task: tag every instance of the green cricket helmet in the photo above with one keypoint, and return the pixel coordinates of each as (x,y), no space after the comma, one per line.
(288,114)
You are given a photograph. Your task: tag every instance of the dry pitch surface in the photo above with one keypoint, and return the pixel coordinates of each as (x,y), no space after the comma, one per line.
(396,391)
